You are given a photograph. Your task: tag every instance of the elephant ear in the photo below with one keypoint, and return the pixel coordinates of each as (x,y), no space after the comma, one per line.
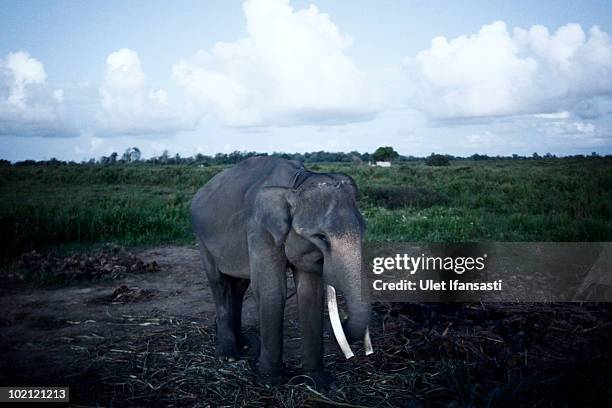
(273,211)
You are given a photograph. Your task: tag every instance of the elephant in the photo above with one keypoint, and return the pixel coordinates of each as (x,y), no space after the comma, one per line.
(261,218)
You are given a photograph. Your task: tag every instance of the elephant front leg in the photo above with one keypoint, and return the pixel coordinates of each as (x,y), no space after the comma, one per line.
(310,297)
(270,289)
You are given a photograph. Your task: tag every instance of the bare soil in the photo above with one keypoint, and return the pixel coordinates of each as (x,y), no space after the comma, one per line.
(146,338)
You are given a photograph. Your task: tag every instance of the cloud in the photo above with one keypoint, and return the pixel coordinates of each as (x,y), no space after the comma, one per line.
(28,106)
(497,72)
(568,127)
(24,71)
(129,106)
(553,115)
(291,69)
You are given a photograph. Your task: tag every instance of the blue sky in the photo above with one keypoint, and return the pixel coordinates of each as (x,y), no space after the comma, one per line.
(83,79)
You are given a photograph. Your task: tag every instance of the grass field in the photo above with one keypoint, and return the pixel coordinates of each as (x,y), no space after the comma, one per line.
(495,200)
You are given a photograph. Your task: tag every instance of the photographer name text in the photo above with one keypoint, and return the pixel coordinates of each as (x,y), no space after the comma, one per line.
(413,264)
(432,285)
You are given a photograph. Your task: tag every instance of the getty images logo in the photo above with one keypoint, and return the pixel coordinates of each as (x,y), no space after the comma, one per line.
(412,264)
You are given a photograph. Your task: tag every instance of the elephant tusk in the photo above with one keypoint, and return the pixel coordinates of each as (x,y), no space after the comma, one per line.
(334,317)
(367,343)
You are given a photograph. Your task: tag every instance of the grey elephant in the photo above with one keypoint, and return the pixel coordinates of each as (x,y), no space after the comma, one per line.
(257,220)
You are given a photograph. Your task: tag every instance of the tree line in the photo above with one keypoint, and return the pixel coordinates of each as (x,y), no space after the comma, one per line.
(133,155)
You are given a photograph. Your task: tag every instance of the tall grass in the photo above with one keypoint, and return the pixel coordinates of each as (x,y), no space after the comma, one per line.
(554,200)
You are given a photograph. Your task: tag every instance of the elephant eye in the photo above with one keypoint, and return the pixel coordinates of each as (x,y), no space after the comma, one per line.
(322,238)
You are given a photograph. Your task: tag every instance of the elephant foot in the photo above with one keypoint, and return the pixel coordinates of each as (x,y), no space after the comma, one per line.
(230,358)
(270,379)
(248,346)
(322,379)
(226,352)
(244,343)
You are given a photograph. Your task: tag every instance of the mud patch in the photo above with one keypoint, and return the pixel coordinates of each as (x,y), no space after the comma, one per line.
(126,294)
(111,262)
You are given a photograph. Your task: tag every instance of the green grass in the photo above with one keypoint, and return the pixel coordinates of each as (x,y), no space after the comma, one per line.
(131,205)
(557,200)
(548,200)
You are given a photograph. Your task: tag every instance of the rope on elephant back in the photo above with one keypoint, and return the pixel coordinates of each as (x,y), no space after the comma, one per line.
(300,177)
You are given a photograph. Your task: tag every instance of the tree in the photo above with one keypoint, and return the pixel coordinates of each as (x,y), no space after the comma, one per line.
(477,157)
(437,160)
(385,153)
(135,154)
(164,157)
(131,155)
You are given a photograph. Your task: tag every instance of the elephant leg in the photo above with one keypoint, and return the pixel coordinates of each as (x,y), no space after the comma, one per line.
(271,305)
(269,265)
(270,289)
(221,288)
(239,287)
(310,297)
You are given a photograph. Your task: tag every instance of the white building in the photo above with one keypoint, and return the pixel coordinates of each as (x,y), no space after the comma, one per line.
(383,163)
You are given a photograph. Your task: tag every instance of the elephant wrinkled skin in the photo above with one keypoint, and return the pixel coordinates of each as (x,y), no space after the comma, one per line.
(261,217)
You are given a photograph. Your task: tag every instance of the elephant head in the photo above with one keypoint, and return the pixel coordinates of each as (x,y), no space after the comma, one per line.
(322,216)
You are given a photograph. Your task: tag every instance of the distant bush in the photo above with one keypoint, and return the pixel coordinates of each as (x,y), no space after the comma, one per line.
(437,160)
(385,153)
(392,197)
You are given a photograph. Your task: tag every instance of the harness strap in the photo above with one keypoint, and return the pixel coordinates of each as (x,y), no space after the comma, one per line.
(300,177)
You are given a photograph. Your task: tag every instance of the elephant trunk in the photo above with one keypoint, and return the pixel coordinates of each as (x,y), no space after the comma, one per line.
(343,272)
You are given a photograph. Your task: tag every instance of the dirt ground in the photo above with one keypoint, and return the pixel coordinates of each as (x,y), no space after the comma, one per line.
(147,339)
(77,333)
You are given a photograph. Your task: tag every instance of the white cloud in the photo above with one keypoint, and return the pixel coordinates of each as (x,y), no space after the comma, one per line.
(562,130)
(28,107)
(496,72)
(129,106)
(24,71)
(569,127)
(553,115)
(480,140)
(290,69)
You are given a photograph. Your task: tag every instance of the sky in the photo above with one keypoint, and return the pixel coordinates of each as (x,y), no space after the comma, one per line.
(84,79)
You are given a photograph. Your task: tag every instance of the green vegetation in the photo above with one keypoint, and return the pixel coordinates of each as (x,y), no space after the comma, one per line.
(82,204)
(141,204)
(385,153)
(437,160)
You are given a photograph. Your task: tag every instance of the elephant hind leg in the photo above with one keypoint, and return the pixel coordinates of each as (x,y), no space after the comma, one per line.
(239,287)
(221,287)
